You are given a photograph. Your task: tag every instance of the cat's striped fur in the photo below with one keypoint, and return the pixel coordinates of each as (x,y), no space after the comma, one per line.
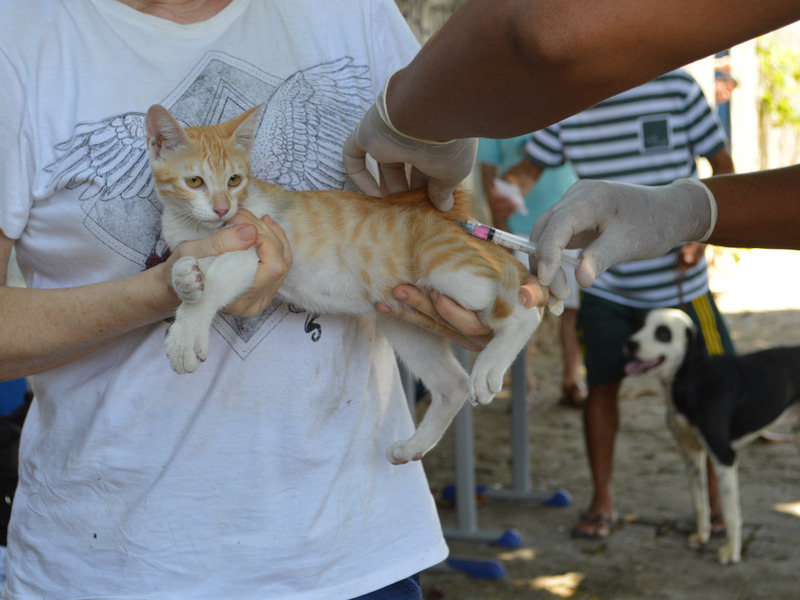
(349,251)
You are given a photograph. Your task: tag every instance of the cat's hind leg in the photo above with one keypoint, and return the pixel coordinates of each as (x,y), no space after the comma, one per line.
(497,304)
(511,333)
(430,358)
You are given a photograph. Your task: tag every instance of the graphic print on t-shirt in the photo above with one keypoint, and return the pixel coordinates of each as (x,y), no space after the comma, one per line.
(654,133)
(302,128)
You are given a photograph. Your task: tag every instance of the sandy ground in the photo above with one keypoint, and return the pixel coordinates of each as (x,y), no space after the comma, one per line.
(646,556)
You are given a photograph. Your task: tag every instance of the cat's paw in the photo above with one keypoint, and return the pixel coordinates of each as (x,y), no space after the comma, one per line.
(186,348)
(484,384)
(188,279)
(402,452)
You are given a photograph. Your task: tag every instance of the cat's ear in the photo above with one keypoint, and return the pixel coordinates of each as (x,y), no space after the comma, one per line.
(164,133)
(244,132)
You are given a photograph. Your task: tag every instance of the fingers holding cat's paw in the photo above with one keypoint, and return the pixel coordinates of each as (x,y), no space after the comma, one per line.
(188,279)
(402,452)
(185,350)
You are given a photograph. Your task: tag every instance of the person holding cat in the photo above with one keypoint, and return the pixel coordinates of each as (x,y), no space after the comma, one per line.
(263,474)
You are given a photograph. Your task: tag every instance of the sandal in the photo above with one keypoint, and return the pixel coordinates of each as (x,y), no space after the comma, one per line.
(597,527)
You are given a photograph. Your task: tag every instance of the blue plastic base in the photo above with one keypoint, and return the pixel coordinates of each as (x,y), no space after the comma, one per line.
(449,492)
(511,538)
(560,498)
(478,568)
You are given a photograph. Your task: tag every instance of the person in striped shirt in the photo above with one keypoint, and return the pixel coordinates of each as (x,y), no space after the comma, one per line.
(649,135)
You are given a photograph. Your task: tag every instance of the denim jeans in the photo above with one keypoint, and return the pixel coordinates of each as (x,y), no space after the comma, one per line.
(405,589)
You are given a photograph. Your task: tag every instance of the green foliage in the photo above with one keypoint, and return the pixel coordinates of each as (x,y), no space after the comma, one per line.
(780,68)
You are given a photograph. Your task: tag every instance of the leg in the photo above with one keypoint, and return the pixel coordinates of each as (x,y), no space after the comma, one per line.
(600,422)
(430,358)
(226,277)
(694,457)
(714,502)
(698,487)
(604,326)
(510,336)
(572,394)
(728,480)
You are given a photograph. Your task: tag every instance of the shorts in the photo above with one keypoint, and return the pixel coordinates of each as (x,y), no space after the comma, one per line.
(604,326)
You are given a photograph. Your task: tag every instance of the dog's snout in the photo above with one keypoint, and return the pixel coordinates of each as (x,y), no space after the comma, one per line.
(631,348)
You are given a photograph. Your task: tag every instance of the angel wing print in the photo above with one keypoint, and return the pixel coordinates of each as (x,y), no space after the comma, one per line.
(298,145)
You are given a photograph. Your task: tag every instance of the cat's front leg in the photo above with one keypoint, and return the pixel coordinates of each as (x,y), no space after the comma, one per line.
(225,277)
(188,338)
(188,279)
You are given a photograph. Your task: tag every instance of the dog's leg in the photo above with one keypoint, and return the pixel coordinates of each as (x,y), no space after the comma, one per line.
(728,479)
(694,459)
(698,485)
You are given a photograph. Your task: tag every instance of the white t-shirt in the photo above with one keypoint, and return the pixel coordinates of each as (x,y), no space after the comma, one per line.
(262,475)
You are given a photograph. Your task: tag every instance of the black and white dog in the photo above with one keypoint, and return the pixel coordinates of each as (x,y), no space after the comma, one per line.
(715,406)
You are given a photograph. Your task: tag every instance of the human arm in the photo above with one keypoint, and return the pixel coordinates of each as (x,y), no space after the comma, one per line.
(757,210)
(439,314)
(499,205)
(557,59)
(721,162)
(618,222)
(524,175)
(689,254)
(41,329)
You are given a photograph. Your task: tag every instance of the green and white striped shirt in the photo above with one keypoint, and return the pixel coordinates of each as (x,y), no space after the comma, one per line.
(649,135)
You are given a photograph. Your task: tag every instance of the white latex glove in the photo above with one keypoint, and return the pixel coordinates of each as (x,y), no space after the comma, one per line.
(442,166)
(620,222)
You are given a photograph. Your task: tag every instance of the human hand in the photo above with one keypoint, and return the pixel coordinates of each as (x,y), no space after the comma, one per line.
(501,207)
(245,230)
(619,222)
(440,166)
(443,316)
(274,260)
(689,255)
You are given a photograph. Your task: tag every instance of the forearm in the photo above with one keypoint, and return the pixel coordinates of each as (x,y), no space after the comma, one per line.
(43,329)
(757,210)
(500,68)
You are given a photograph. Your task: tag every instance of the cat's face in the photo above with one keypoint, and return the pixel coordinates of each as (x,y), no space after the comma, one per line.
(200,173)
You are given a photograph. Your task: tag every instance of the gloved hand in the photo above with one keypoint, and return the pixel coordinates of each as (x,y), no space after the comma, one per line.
(619,222)
(442,166)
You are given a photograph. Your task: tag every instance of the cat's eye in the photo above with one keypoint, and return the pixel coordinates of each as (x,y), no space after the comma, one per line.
(194,181)
(234,180)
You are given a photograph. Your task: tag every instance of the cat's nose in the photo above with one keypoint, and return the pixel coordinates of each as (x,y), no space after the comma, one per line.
(221,211)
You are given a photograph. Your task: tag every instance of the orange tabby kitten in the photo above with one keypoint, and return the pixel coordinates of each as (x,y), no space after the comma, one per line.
(349,251)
